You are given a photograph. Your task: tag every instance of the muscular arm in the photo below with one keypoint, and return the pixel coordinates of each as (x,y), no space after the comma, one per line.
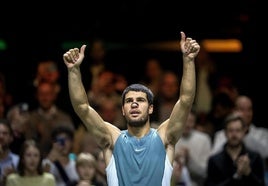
(105,133)
(171,130)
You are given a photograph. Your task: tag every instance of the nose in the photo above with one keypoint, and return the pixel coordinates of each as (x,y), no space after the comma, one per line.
(134,104)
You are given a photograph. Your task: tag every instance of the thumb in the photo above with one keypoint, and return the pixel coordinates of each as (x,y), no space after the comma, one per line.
(183,36)
(82,49)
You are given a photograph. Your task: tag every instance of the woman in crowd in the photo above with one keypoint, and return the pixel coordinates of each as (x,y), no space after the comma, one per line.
(30,171)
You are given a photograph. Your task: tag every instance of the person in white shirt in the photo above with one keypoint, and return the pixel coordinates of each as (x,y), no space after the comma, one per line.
(196,147)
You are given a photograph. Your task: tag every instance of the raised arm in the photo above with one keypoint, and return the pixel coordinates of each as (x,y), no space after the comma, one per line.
(171,130)
(91,119)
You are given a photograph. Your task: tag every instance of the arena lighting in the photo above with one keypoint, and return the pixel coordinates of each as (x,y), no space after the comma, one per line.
(211,45)
(222,45)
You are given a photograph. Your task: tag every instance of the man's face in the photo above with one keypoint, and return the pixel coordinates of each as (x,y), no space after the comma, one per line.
(46,95)
(235,133)
(245,109)
(136,108)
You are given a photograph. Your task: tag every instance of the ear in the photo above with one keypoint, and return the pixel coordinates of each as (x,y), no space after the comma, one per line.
(123,112)
(151,109)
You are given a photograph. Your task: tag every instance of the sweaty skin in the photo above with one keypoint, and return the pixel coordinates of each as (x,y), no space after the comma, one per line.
(106,133)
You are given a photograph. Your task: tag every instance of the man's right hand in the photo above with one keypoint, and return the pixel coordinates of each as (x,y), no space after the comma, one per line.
(74,57)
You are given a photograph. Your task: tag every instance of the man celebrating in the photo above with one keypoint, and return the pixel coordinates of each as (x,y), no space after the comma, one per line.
(139,155)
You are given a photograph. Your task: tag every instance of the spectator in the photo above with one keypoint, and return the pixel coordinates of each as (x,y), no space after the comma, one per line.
(86,169)
(8,160)
(58,160)
(256,137)
(47,71)
(235,165)
(30,169)
(47,115)
(195,147)
(18,117)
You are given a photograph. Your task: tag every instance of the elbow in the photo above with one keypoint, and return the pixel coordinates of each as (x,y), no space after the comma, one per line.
(81,109)
(187,100)
(187,95)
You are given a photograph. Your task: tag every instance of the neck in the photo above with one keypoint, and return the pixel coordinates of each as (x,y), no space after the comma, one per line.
(31,173)
(139,132)
(234,151)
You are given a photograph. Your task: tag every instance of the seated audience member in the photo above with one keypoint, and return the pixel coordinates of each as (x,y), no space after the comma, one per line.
(58,161)
(235,165)
(8,160)
(30,170)
(195,147)
(256,137)
(47,115)
(86,169)
(18,117)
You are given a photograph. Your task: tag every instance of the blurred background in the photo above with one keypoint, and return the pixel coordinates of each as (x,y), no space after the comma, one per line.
(132,31)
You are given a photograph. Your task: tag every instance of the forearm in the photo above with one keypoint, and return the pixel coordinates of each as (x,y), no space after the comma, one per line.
(188,82)
(183,106)
(77,92)
(187,94)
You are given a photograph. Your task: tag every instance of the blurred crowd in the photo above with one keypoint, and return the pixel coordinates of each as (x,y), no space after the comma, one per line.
(41,140)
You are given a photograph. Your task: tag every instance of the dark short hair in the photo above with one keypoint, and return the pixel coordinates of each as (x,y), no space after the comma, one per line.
(139,88)
(62,129)
(233,117)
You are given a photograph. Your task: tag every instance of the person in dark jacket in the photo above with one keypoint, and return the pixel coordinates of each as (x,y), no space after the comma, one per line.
(235,165)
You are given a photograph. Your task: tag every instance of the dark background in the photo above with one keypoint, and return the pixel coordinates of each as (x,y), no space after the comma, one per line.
(38,31)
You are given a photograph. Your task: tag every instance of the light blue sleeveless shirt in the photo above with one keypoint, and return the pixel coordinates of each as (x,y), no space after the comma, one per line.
(139,162)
